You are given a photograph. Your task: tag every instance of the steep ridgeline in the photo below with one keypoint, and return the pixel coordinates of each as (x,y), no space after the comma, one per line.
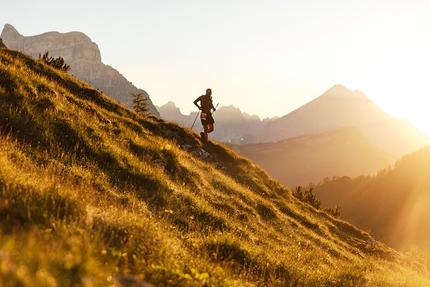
(311,158)
(82,55)
(393,205)
(339,107)
(92,193)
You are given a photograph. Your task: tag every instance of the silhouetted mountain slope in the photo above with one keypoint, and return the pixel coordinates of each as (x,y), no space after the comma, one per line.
(393,205)
(340,107)
(91,193)
(311,158)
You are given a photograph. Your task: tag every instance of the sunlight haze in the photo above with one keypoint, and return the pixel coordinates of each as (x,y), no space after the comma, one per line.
(264,57)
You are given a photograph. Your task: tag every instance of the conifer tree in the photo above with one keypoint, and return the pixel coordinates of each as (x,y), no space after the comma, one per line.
(140,104)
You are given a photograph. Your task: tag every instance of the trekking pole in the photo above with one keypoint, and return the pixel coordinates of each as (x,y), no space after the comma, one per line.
(216,107)
(195,119)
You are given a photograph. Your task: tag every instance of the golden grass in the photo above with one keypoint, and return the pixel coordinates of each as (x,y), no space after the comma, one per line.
(92,192)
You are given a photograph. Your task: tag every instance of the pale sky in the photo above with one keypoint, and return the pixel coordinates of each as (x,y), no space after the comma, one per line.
(265,57)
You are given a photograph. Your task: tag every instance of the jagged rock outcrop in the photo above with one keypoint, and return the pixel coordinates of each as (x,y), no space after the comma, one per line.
(82,55)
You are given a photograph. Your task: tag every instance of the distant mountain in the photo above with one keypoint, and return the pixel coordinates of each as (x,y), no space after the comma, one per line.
(393,205)
(338,107)
(231,125)
(170,112)
(82,55)
(313,157)
(341,107)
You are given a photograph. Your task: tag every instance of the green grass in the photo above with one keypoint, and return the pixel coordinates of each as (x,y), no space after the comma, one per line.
(92,194)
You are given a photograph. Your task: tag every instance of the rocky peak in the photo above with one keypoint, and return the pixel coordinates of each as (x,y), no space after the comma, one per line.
(10,32)
(339,91)
(70,46)
(82,55)
(170,106)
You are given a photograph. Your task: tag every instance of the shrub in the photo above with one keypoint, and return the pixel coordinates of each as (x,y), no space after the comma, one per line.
(333,211)
(307,196)
(57,63)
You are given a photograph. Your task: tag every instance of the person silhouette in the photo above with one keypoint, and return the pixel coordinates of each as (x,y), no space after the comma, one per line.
(206,106)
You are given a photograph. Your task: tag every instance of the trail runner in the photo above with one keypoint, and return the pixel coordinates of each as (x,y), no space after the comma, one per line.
(206,106)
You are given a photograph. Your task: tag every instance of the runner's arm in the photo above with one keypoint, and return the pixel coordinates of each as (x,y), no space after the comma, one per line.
(195,102)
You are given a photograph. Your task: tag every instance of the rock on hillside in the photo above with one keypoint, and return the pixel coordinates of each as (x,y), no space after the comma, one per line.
(340,107)
(82,55)
(311,158)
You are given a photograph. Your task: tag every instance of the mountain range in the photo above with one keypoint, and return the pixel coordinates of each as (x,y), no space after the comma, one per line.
(341,107)
(338,107)
(82,55)
(340,133)
(232,125)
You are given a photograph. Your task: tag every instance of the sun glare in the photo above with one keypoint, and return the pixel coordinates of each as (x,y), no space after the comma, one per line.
(393,70)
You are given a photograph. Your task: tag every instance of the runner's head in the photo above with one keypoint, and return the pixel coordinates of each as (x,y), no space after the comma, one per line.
(208,92)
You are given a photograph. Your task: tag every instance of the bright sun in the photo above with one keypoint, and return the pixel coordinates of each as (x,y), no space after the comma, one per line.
(394,69)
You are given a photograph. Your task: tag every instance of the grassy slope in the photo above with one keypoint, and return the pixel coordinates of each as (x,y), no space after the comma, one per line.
(90,192)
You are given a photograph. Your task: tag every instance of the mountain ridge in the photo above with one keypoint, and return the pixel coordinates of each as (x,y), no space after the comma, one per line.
(336,108)
(340,107)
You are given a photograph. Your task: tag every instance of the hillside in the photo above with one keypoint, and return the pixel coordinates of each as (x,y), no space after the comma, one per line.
(393,205)
(92,194)
(340,107)
(314,157)
(83,56)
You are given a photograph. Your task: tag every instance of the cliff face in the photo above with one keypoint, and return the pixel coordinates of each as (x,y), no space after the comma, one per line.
(82,55)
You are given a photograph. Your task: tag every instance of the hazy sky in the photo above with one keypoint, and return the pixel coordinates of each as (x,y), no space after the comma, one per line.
(265,57)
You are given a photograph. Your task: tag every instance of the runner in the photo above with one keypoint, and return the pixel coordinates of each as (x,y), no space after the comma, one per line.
(206,106)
